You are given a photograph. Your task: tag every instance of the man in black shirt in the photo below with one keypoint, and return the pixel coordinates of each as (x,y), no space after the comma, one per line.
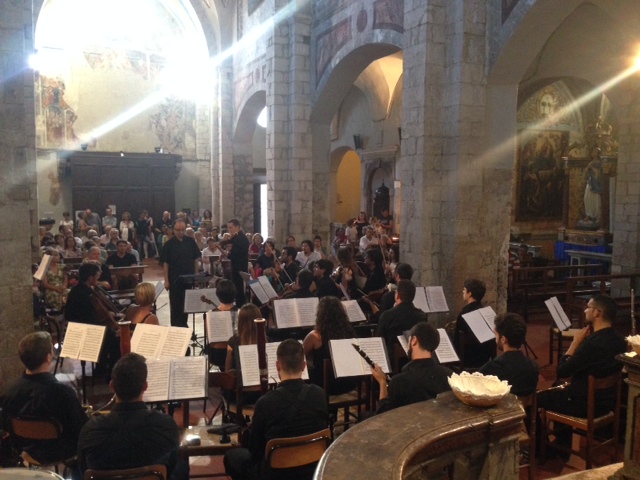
(291,410)
(513,366)
(179,257)
(131,435)
(37,394)
(239,257)
(421,379)
(402,317)
(287,267)
(473,354)
(325,285)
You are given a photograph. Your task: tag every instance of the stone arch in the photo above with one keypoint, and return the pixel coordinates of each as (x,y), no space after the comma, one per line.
(247,115)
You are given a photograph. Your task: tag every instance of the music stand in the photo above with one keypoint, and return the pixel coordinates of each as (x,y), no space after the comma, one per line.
(193,304)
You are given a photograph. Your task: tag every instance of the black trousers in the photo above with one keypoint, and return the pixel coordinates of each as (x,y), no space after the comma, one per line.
(241,298)
(176,303)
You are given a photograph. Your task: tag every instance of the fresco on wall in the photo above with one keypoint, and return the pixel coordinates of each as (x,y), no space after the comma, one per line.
(540,172)
(388,14)
(148,66)
(329,43)
(173,124)
(59,117)
(547,105)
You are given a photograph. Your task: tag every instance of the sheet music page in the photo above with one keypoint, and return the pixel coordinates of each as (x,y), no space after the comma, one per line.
(159,290)
(436,299)
(478,326)
(420,300)
(558,314)
(158,371)
(286,313)
(307,310)
(445,351)
(404,343)
(375,348)
(354,312)
(92,343)
(176,342)
(146,340)
(256,288)
(193,304)
(42,268)
(188,378)
(489,316)
(268,288)
(219,326)
(73,340)
(248,355)
(346,361)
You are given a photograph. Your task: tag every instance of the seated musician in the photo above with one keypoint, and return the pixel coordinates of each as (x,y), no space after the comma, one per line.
(302,288)
(37,394)
(293,409)
(122,258)
(324,283)
(402,317)
(287,267)
(247,335)
(226,293)
(376,278)
(332,323)
(420,379)
(472,353)
(131,435)
(513,366)
(267,259)
(143,310)
(94,254)
(350,276)
(84,306)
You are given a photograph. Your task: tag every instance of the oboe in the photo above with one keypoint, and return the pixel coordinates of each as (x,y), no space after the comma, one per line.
(367,359)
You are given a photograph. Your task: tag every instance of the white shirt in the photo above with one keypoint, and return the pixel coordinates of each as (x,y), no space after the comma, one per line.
(365,242)
(304,261)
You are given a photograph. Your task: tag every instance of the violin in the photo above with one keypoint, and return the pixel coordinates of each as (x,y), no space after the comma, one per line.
(204,299)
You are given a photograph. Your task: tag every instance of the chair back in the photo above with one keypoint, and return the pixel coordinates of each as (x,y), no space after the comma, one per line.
(150,472)
(35,429)
(528,435)
(297,451)
(596,384)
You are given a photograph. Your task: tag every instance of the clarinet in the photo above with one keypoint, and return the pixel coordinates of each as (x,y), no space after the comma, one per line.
(367,359)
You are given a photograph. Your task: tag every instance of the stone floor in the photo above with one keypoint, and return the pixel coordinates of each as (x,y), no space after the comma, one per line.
(98,392)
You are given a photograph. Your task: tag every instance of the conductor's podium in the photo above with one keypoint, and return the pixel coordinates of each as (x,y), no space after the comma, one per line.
(430,440)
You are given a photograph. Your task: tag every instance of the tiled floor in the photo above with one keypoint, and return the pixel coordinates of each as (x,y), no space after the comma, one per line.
(538,339)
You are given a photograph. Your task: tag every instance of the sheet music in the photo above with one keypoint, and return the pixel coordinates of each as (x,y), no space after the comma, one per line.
(354,312)
(348,363)
(83,341)
(404,343)
(436,300)
(420,300)
(445,351)
(219,326)
(557,312)
(155,341)
(249,364)
(286,313)
(478,326)
(193,304)
(489,316)
(176,342)
(266,285)
(159,290)
(256,288)
(158,371)
(307,310)
(188,378)
(248,355)
(42,268)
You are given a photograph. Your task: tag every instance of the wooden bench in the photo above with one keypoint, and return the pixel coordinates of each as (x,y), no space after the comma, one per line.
(534,284)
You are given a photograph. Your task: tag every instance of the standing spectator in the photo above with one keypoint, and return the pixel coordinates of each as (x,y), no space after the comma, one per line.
(109,219)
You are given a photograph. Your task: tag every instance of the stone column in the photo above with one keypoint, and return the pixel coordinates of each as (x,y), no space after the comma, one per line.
(288,153)
(224,178)
(203,154)
(18,187)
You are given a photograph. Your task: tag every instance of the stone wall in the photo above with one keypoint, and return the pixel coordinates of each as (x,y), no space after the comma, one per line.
(18,190)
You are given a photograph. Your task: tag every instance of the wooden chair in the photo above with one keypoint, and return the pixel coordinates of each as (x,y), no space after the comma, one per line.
(557,338)
(286,453)
(35,430)
(150,472)
(355,398)
(228,383)
(586,426)
(527,439)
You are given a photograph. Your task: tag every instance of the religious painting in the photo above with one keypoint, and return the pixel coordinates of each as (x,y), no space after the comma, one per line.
(173,124)
(388,14)
(59,117)
(540,177)
(329,43)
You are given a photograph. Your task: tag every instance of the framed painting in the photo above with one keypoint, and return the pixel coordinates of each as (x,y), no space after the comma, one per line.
(540,177)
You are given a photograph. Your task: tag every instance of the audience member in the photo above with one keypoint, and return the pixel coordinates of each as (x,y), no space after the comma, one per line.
(307,255)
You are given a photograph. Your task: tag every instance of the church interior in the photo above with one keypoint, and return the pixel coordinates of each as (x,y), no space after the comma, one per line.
(482,125)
